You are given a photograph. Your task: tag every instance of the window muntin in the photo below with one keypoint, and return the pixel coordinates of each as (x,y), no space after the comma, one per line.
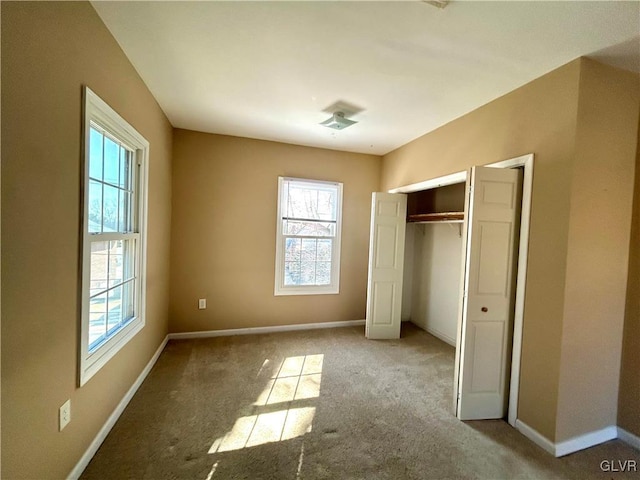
(113,235)
(308,245)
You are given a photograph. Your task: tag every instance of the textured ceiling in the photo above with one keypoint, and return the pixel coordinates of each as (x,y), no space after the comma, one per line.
(272,70)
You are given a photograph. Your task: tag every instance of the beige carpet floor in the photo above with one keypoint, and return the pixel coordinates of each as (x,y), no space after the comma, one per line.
(320,404)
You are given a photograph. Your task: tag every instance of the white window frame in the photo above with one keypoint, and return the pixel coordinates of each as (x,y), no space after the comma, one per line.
(98,112)
(334,286)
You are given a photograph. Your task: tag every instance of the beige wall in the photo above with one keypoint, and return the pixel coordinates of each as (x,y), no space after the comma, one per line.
(49,50)
(538,118)
(224,229)
(598,248)
(629,399)
(580,121)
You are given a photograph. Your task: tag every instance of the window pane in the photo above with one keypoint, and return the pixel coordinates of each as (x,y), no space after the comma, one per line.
(323,273)
(300,203)
(292,273)
(111,161)
(327,204)
(310,201)
(97,319)
(308,250)
(324,250)
(308,261)
(95,207)
(114,316)
(95,154)
(116,275)
(315,229)
(110,209)
(99,267)
(307,273)
(292,249)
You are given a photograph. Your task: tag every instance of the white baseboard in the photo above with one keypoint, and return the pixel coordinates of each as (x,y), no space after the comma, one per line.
(629,438)
(106,428)
(445,338)
(257,330)
(113,418)
(439,335)
(572,445)
(585,441)
(537,438)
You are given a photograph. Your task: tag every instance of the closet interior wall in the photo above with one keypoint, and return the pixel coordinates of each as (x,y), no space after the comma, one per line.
(433,262)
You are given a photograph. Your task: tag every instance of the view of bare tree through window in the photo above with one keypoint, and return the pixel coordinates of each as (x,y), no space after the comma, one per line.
(309,217)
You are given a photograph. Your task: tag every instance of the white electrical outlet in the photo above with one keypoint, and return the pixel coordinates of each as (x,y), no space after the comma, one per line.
(202,303)
(65,414)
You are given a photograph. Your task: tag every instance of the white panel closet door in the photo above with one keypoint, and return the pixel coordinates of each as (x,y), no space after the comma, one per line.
(493,218)
(386,262)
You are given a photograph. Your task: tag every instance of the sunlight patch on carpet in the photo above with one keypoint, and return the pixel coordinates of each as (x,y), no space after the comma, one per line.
(213,470)
(296,379)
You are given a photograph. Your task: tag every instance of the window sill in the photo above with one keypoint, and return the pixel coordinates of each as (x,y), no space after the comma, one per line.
(324,290)
(99,358)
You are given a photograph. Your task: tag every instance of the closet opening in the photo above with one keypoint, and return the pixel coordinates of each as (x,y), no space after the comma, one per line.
(445,253)
(432,260)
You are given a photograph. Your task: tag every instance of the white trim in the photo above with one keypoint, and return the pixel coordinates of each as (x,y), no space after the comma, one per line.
(100,113)
(525,161)
(461,300)
(458,177)
(585,441)
(111,120)
(258,330)
(280,289)
(115,415)
(629,438)
(572,445)
(537,438)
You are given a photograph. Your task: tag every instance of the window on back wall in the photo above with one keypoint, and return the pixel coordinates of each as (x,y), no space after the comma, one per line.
(114,240)
(308,237)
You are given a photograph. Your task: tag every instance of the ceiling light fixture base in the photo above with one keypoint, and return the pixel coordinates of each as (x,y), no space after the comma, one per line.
(437,3)
(338,122)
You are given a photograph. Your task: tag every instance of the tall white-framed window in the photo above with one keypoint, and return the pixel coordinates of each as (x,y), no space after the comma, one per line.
(114,235)
(308,237)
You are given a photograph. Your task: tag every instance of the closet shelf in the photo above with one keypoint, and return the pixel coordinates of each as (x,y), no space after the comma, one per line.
(451,217)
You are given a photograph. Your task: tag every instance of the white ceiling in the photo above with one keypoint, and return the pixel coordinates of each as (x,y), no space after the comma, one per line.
(267,70)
